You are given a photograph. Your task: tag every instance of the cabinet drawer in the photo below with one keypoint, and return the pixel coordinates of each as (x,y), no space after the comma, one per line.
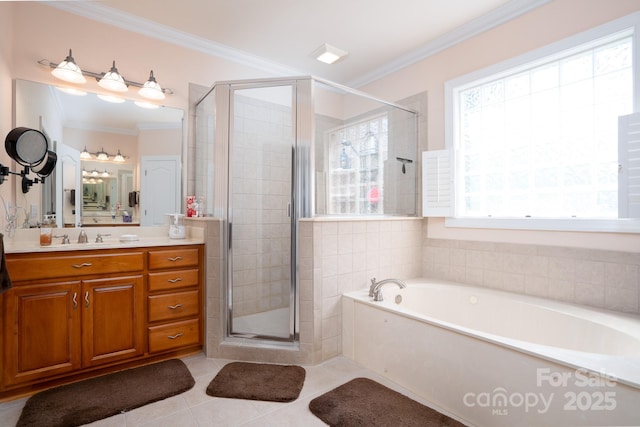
(173,258)
(46,267)
(174,335)
(173,306)
(173,279)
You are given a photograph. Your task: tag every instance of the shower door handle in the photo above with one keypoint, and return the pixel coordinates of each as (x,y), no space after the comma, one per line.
(289,210)
(230,234)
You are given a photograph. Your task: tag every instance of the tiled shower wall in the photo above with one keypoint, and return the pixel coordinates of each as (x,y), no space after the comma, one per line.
(338,256)
(597,278)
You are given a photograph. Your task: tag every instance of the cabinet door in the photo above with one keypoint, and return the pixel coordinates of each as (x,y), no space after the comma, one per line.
(41,331)
(112,320)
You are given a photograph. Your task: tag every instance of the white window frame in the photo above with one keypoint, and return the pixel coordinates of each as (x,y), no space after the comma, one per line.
(626,225)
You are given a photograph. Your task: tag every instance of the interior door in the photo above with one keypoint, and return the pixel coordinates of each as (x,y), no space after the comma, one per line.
(159,189)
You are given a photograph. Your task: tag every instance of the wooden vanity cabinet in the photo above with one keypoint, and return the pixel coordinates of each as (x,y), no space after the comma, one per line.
(42,333)
(70,313)
(174,302)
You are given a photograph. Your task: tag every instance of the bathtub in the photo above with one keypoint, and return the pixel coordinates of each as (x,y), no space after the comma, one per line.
(492,358)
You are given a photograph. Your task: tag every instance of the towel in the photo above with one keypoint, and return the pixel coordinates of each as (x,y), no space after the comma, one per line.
(133,199)
(5,281)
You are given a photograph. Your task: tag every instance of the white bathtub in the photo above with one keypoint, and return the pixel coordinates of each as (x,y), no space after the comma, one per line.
(494,358)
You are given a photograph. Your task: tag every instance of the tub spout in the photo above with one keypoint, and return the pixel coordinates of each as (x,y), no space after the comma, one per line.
(376,287)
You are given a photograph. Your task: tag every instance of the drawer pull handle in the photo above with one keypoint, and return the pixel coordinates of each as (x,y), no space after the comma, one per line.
(86,299)
(75,300)
(174,259)
(176,280)
(173,307)
(84,264)
(173,337)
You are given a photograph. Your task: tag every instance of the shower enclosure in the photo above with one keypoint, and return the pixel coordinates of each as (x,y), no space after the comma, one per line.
(271,152)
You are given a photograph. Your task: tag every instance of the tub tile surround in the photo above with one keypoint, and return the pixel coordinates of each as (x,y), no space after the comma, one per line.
(342,255)
(597,278)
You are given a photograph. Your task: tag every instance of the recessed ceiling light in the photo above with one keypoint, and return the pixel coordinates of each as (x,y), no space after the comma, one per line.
(328,54)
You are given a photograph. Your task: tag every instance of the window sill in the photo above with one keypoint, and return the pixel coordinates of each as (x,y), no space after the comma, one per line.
(589,225)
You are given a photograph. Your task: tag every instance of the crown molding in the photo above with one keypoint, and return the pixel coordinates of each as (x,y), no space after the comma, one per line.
(98,12)
(496,17)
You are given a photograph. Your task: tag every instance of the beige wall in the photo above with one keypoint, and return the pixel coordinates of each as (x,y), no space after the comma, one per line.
(542,26)
(31,31)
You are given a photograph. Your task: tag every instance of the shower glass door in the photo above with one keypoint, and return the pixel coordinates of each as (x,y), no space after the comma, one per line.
(260,214)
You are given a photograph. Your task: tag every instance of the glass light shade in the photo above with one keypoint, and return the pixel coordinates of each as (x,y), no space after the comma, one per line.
(113,80)
(102,155)
(94,172)
(84,154)
(68,71)
(119,157)
(105,173)
(151,89)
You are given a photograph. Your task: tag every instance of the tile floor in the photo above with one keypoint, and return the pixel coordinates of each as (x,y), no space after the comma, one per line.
(195,408)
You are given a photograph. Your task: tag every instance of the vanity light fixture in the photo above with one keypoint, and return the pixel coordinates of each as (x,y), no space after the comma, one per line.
(69,71)
(328,54)
(112,80)
(102,156)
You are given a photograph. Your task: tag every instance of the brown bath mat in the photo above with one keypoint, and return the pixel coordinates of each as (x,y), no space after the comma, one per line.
(258,381)
(101,397)
(363,402)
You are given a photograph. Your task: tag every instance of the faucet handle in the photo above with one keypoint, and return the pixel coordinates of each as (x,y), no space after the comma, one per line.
(100,236)
(65,239)
(373,285)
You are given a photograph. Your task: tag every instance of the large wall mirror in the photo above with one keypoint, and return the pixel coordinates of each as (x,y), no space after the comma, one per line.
(99,190)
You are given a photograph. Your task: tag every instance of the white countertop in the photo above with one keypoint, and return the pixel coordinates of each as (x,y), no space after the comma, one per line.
(28,240)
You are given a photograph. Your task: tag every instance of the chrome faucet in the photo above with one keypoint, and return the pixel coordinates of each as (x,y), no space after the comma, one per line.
(375,290)
(82,237)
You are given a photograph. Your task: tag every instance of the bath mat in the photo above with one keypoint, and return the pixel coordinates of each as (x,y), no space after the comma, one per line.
(258,381)
(96,398)
(364,402)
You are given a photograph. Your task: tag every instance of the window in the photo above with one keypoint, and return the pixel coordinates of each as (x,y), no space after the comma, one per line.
(537,138)
(357,153)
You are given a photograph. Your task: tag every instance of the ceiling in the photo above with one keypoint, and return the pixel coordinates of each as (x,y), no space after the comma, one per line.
(379,35)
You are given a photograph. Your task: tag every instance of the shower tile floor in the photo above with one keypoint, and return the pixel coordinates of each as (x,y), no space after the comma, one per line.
(195,408)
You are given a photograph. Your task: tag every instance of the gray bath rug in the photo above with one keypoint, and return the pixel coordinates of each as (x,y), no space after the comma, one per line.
(364,402)
(258,381)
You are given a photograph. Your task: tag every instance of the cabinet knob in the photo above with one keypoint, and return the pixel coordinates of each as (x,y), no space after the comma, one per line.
(176,280)
(173,307)
(174,259)
(173,337)
(75,300)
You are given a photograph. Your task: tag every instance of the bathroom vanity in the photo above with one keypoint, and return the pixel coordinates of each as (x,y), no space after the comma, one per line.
(75,312)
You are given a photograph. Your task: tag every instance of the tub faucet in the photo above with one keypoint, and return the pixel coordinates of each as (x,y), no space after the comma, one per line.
(375,290)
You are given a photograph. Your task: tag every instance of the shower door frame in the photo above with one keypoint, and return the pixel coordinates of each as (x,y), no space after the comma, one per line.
(301,196)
